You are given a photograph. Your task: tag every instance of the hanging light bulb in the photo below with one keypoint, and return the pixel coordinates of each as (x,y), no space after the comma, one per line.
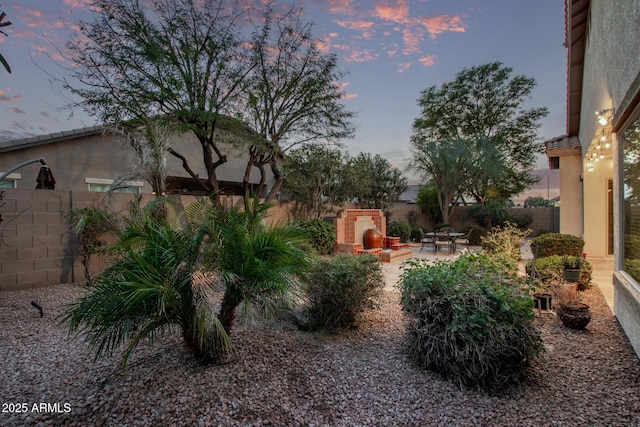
(607,145)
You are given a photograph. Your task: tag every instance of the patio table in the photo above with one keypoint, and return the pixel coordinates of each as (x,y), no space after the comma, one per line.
(452,236)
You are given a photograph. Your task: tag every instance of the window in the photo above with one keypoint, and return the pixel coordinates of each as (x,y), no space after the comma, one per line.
(631,199)
(11,181)
(103,185)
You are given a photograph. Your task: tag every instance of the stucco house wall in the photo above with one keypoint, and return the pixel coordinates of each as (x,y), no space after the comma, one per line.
(79,154)
(611,79)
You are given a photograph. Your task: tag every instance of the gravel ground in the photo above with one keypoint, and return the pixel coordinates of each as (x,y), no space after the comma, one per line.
(282,376)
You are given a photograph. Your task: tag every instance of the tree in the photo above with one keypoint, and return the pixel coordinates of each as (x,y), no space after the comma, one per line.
(195,63)
(429,202)
(485,104)
(373,182)
(314,180)
(4,24)
(166,268)
(294,96)
(447,165)
(178,58)
(150,142)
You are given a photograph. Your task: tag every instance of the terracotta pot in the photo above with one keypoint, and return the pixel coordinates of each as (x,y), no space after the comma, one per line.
(372,238)
(575,315)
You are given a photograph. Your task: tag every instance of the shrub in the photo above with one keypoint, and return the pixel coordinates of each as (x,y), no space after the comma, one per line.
(341,287)
(320,234)
(505,242)
(470,321)
(549,269)
(522,221)
(399,229)
(476,235)
(556,244)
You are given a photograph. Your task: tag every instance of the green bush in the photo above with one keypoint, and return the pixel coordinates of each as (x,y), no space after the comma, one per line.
(476,235)
(469,320)
(549,269)
(399,229)
(341,287)
(504,242)
(320,234)
(556,244)
(522,221)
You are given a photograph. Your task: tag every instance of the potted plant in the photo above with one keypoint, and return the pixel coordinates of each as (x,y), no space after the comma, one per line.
(572,268)
(571,312)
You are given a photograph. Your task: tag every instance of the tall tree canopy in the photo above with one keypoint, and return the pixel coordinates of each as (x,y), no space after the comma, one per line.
(200,63)
(486,105)
(294,96)
(373,182)
(314,180)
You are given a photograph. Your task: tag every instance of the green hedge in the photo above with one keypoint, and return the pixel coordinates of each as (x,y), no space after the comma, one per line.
(556,244)
(469,321)
(341,287)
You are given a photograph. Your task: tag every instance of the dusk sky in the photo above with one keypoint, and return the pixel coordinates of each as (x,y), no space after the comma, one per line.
(391,50)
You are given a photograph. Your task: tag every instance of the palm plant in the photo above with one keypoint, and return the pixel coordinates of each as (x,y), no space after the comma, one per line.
(257,263)
(166,266)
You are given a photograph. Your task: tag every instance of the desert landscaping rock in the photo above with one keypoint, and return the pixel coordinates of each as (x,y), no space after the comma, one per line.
(283,376)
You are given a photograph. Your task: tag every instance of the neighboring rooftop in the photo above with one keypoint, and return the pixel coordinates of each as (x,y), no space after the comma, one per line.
(562,143)
(51,138)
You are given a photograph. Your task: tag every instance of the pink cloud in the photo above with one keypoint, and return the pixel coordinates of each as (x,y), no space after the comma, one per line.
(341,7)
(355,25)
(438,24)
(404,66)
(395,11)
(427,61)
(343,88)
(365,55)
(5,97)
(412,40)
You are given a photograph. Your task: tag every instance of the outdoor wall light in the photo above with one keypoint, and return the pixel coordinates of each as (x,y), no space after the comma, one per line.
(604,115)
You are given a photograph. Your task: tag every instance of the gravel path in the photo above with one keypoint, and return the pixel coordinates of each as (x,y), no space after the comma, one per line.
(282,376)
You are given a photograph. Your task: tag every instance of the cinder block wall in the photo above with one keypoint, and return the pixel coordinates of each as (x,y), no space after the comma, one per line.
(38,247)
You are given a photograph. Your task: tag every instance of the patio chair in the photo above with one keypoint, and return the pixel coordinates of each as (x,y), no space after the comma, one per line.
(425,240)
(464,240)
(442,238)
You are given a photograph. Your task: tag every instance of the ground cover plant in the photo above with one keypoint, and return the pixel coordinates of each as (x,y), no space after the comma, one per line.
(470,320)
(340,288)
(166,267)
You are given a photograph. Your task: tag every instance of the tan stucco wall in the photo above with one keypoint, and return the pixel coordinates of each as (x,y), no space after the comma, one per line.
(108,157)
(571,195)
(596,209)
(610,68)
